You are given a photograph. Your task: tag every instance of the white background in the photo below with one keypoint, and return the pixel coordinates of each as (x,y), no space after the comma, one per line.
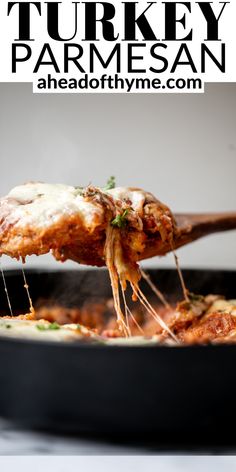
(115,463)
(180,147)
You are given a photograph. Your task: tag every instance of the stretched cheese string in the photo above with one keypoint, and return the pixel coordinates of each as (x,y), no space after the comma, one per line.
(6,290)
(184,288)
(109,256)
(115,279)
(129,312)
(139,294)
(26,286)
(155,289)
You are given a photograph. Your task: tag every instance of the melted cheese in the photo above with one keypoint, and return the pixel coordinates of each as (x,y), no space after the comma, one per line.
(40,205)
(26,286)
(27,329)
(135,196)
(6,290)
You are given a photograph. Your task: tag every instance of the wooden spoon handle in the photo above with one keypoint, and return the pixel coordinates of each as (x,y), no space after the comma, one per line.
(198,225)
(191,227)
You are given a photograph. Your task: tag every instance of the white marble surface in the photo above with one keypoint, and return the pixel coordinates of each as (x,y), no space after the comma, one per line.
(117,463)
(15,441)
(25,451)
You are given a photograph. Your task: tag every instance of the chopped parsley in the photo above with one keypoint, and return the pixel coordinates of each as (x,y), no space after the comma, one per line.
(111,183)
(48,327)
(79,191)
(120,221)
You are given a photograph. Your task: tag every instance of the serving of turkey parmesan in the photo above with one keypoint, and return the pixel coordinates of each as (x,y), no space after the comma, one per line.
(112,226)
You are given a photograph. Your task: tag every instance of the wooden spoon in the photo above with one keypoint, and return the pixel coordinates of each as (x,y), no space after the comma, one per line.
(189,228)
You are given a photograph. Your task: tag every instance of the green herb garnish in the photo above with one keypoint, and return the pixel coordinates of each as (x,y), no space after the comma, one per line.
(8,326)
(79,191)
(120,221)
(51,326)
(111,183)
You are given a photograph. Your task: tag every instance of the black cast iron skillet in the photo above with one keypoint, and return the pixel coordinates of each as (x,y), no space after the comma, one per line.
(173,393)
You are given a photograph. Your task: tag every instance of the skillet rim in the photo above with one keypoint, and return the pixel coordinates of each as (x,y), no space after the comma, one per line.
(76,345)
